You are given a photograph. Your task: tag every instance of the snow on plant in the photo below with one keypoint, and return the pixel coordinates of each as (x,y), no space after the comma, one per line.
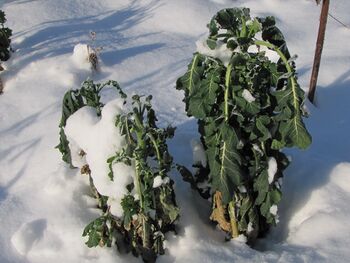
(125,155)
(87,55)
(248,109)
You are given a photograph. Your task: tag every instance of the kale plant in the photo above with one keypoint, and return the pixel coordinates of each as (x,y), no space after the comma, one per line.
(149,206)
(5,41)
(247,110)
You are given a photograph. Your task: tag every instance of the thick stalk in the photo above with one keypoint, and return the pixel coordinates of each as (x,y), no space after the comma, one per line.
(231,206)
(138,160)
(138,163)
(233,220)
(155,145)
(227,89)
(145,227)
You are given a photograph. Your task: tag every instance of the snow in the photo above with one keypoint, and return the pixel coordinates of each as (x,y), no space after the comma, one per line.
(248,96)
(157,181)
(273,210)
(147,44)
(250,227)
(198,152)
(240,239)
(220,52)
(272,169)
(100,139)
(80,56)
(242,189)
(28,234)
(272,55)
(257,148)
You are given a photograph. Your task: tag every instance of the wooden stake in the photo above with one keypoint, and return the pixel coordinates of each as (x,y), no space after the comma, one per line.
(319,47)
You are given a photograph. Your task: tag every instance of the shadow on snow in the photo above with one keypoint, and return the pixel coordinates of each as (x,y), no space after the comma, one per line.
(59,37)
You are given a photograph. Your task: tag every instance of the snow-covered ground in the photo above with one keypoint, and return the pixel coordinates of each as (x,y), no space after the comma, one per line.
(146,45)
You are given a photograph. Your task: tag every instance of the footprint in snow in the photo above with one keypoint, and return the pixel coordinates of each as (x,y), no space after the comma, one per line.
(28,234)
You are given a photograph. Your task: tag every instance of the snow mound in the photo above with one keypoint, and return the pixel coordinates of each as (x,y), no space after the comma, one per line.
(326,214)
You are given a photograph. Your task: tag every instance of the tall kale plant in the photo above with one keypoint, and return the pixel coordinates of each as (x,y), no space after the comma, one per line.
(248,110)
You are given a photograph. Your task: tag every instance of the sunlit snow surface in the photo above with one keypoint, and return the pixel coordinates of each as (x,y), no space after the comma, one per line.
(146,45)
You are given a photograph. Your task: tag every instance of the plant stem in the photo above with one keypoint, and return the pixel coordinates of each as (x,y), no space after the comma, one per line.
(139,164)
(93,188)
(191,72)
(130,141)
(145,228)
(160,163)
(155,145)
(138,183)
(244,28)
(231,206)
(233,221)
(227,85)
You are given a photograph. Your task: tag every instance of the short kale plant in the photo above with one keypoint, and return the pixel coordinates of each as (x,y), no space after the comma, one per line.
(5,41)
(247,110)
(149,207)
